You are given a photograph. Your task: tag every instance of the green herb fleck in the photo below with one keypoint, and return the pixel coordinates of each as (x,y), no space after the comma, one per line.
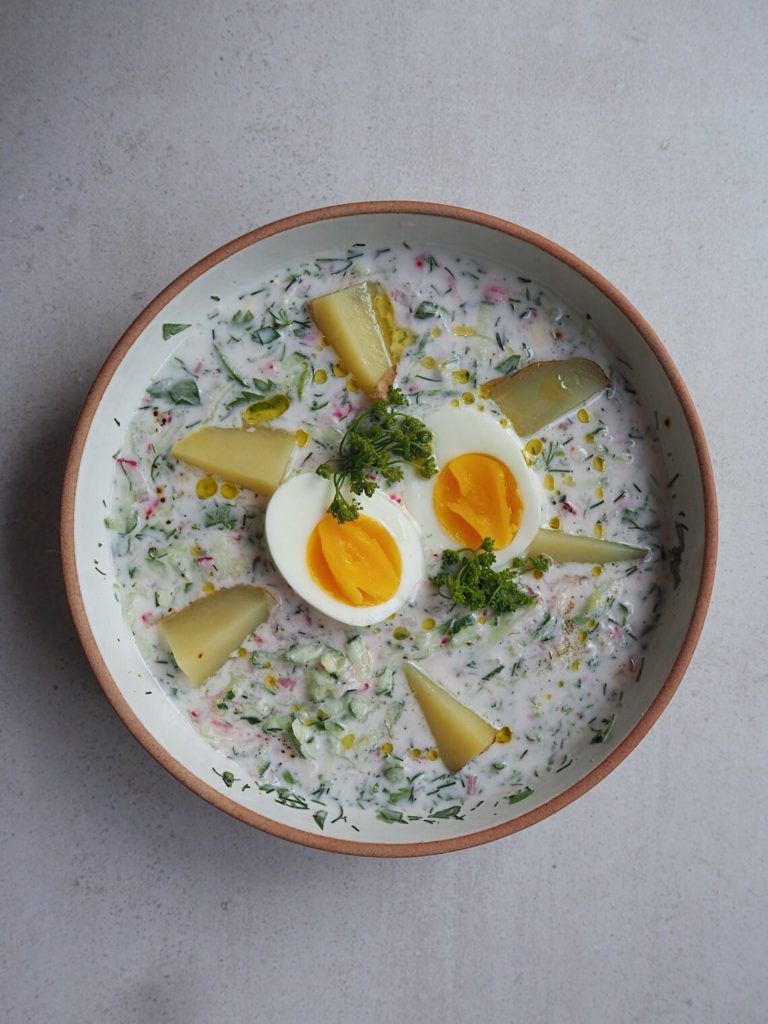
(170,329)
(261,388)
(448,812)
(517,797)
(453,626)
(676,553)
(602,736)
(391,815)
(227,778)
(231,371)
(426,311)
(492,673)
(509,365)
(289,799)
(396,795)
(179,392)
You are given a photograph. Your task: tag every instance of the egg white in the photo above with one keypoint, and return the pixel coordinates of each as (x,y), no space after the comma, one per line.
(294,511)
(461,432)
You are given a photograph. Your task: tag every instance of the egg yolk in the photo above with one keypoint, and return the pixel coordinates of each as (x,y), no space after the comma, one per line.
(475,496)
(358,562)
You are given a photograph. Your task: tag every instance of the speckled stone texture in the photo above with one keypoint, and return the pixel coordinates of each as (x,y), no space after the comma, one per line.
(138,136)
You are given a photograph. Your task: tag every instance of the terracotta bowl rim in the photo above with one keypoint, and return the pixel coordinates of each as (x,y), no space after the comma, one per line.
(220,800)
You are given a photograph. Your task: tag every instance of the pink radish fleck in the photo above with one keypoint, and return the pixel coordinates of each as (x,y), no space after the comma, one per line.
(495,294)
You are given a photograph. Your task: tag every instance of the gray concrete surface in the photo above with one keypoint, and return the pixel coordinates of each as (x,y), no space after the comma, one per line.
(138,136)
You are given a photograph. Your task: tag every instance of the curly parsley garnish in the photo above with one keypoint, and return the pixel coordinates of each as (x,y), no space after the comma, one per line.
(378,441)
(467,578)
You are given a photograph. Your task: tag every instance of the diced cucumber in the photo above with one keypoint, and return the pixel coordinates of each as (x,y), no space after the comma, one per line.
(359,708)
(256,708)
(394,773)
(468,635)
(277,723)
(319,685)
(359,656)
(600,599)
(303,654)
(304,737)
(298,371)
(392,714)
(123,523)
(333,661)
(384,682)
(425,642)
(331,708)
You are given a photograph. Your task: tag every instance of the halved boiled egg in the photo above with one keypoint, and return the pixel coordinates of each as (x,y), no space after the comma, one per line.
(358,572)
(483,487)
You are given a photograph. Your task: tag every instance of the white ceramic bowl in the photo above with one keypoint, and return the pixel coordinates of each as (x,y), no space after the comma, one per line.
(138,357)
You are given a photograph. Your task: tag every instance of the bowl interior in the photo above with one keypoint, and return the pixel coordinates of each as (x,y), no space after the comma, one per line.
(141,356)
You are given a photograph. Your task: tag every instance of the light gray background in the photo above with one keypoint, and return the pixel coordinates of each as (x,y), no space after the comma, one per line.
(137,137)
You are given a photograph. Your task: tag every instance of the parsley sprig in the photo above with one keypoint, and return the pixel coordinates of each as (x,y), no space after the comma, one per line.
(467,578)
(377,443)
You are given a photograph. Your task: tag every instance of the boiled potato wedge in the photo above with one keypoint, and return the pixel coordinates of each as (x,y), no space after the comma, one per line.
(204,634)
(459,733)
(573,547)
(255,458)
(542,392)
(350,322)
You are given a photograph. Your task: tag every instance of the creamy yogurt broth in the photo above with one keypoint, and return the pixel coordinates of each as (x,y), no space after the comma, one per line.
(319,713)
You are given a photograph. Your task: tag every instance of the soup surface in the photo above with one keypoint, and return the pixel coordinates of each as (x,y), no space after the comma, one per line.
(319,712)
